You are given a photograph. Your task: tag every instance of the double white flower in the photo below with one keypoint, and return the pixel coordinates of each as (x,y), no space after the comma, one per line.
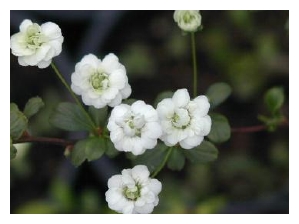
(36,45)
(134,128)
(101,83)
(184,121)
(133,191)
(187,20)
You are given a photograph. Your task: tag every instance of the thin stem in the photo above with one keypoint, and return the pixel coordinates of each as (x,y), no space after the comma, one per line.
(193,46)
(163,163)
(55,141)
(257,128)
(73,94)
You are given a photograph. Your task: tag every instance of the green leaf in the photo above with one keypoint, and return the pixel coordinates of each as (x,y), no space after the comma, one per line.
(218,93)
(205,152)
(129,101)
(90,149)
(163,95)
(110,149)
(33,106)
(99,116)
(13,150)
(220,130)
(18,122)
(274,99)
(176,159)
(152,158)
(69,117)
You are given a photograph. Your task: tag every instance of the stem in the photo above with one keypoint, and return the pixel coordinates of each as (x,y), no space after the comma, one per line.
(257,128)
(55,141)
(73,94)
(193,46)
(163,163)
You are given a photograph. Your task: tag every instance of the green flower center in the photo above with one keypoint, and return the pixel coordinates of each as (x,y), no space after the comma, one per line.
(132,193)
(188,17)
(99,81)
(34,37)
(181,119)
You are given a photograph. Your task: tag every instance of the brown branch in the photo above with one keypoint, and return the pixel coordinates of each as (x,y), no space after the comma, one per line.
(55,141)
(256,128)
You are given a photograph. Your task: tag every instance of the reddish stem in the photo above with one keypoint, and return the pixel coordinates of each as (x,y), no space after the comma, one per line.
(55,141)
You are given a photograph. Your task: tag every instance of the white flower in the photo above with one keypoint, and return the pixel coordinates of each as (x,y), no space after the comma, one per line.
(134,128)
(101,83)
(36,45)
(187,20)
(133,191)
(184,121)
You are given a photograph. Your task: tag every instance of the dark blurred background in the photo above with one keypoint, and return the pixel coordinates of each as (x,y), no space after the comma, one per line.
(247,49)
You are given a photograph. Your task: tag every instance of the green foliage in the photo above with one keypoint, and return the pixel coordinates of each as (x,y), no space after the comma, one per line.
(152,158)
(18,122)
(69,117)
(91,149)
(13,150)
(33,106)
(218,93)
(110,149)
(274,99)
(205,152)
(99,116)
(220,130)
(176,159)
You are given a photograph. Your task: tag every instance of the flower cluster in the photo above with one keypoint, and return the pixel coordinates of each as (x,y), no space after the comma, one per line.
(36,45)
(184,121)
(100,83)
(187,20)
(134,128)
(133,191)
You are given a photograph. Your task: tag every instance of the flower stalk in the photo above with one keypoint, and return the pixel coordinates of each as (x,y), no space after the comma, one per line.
(193,46)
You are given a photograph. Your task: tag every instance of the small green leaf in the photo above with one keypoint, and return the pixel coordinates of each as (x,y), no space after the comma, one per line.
(18,122)
(110,149)
(129,101)
(152,158)
(176,159)
(33,106)
(274,99)
(69,117)
(13,150)
(163,95)
(220,130)
(90,149)
(205,152)
(99,116)
(218,93)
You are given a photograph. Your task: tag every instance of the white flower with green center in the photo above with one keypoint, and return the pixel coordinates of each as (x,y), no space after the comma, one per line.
(133,191)
(100,82)
(184,121)
(187,20)
(134,128)
(36,45)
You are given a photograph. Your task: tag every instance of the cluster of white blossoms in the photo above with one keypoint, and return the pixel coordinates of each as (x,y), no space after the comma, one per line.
(187,20)
(101,82)
(36,45)
(133,191)
(184,121)
(134,128)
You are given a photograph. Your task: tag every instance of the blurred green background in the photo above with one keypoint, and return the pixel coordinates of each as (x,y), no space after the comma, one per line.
(247,49)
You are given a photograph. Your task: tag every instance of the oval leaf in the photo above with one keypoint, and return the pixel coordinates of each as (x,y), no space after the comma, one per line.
(218,93)
(99,116)
(90,149)
(176,159)
(152,158)
(13,150)
(205,152)
(111,151)
(33,106)
(69,117)
(274,99)
(220,130)
(18,122)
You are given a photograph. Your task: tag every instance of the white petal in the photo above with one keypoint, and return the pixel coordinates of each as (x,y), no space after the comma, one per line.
(24,25)
(110,93)
(90,60)
(110,63)
(126,92)
(21,61)
(181,98)
(165,108)
(18,45)
(140,173)
(151,130)
(203,105)
(155,186)
(115,182)
(113,196)
(116,101)
(38,56)
(118,79)
(191,142)
(145,209)
(51,30)
(149,143)
(44,64)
